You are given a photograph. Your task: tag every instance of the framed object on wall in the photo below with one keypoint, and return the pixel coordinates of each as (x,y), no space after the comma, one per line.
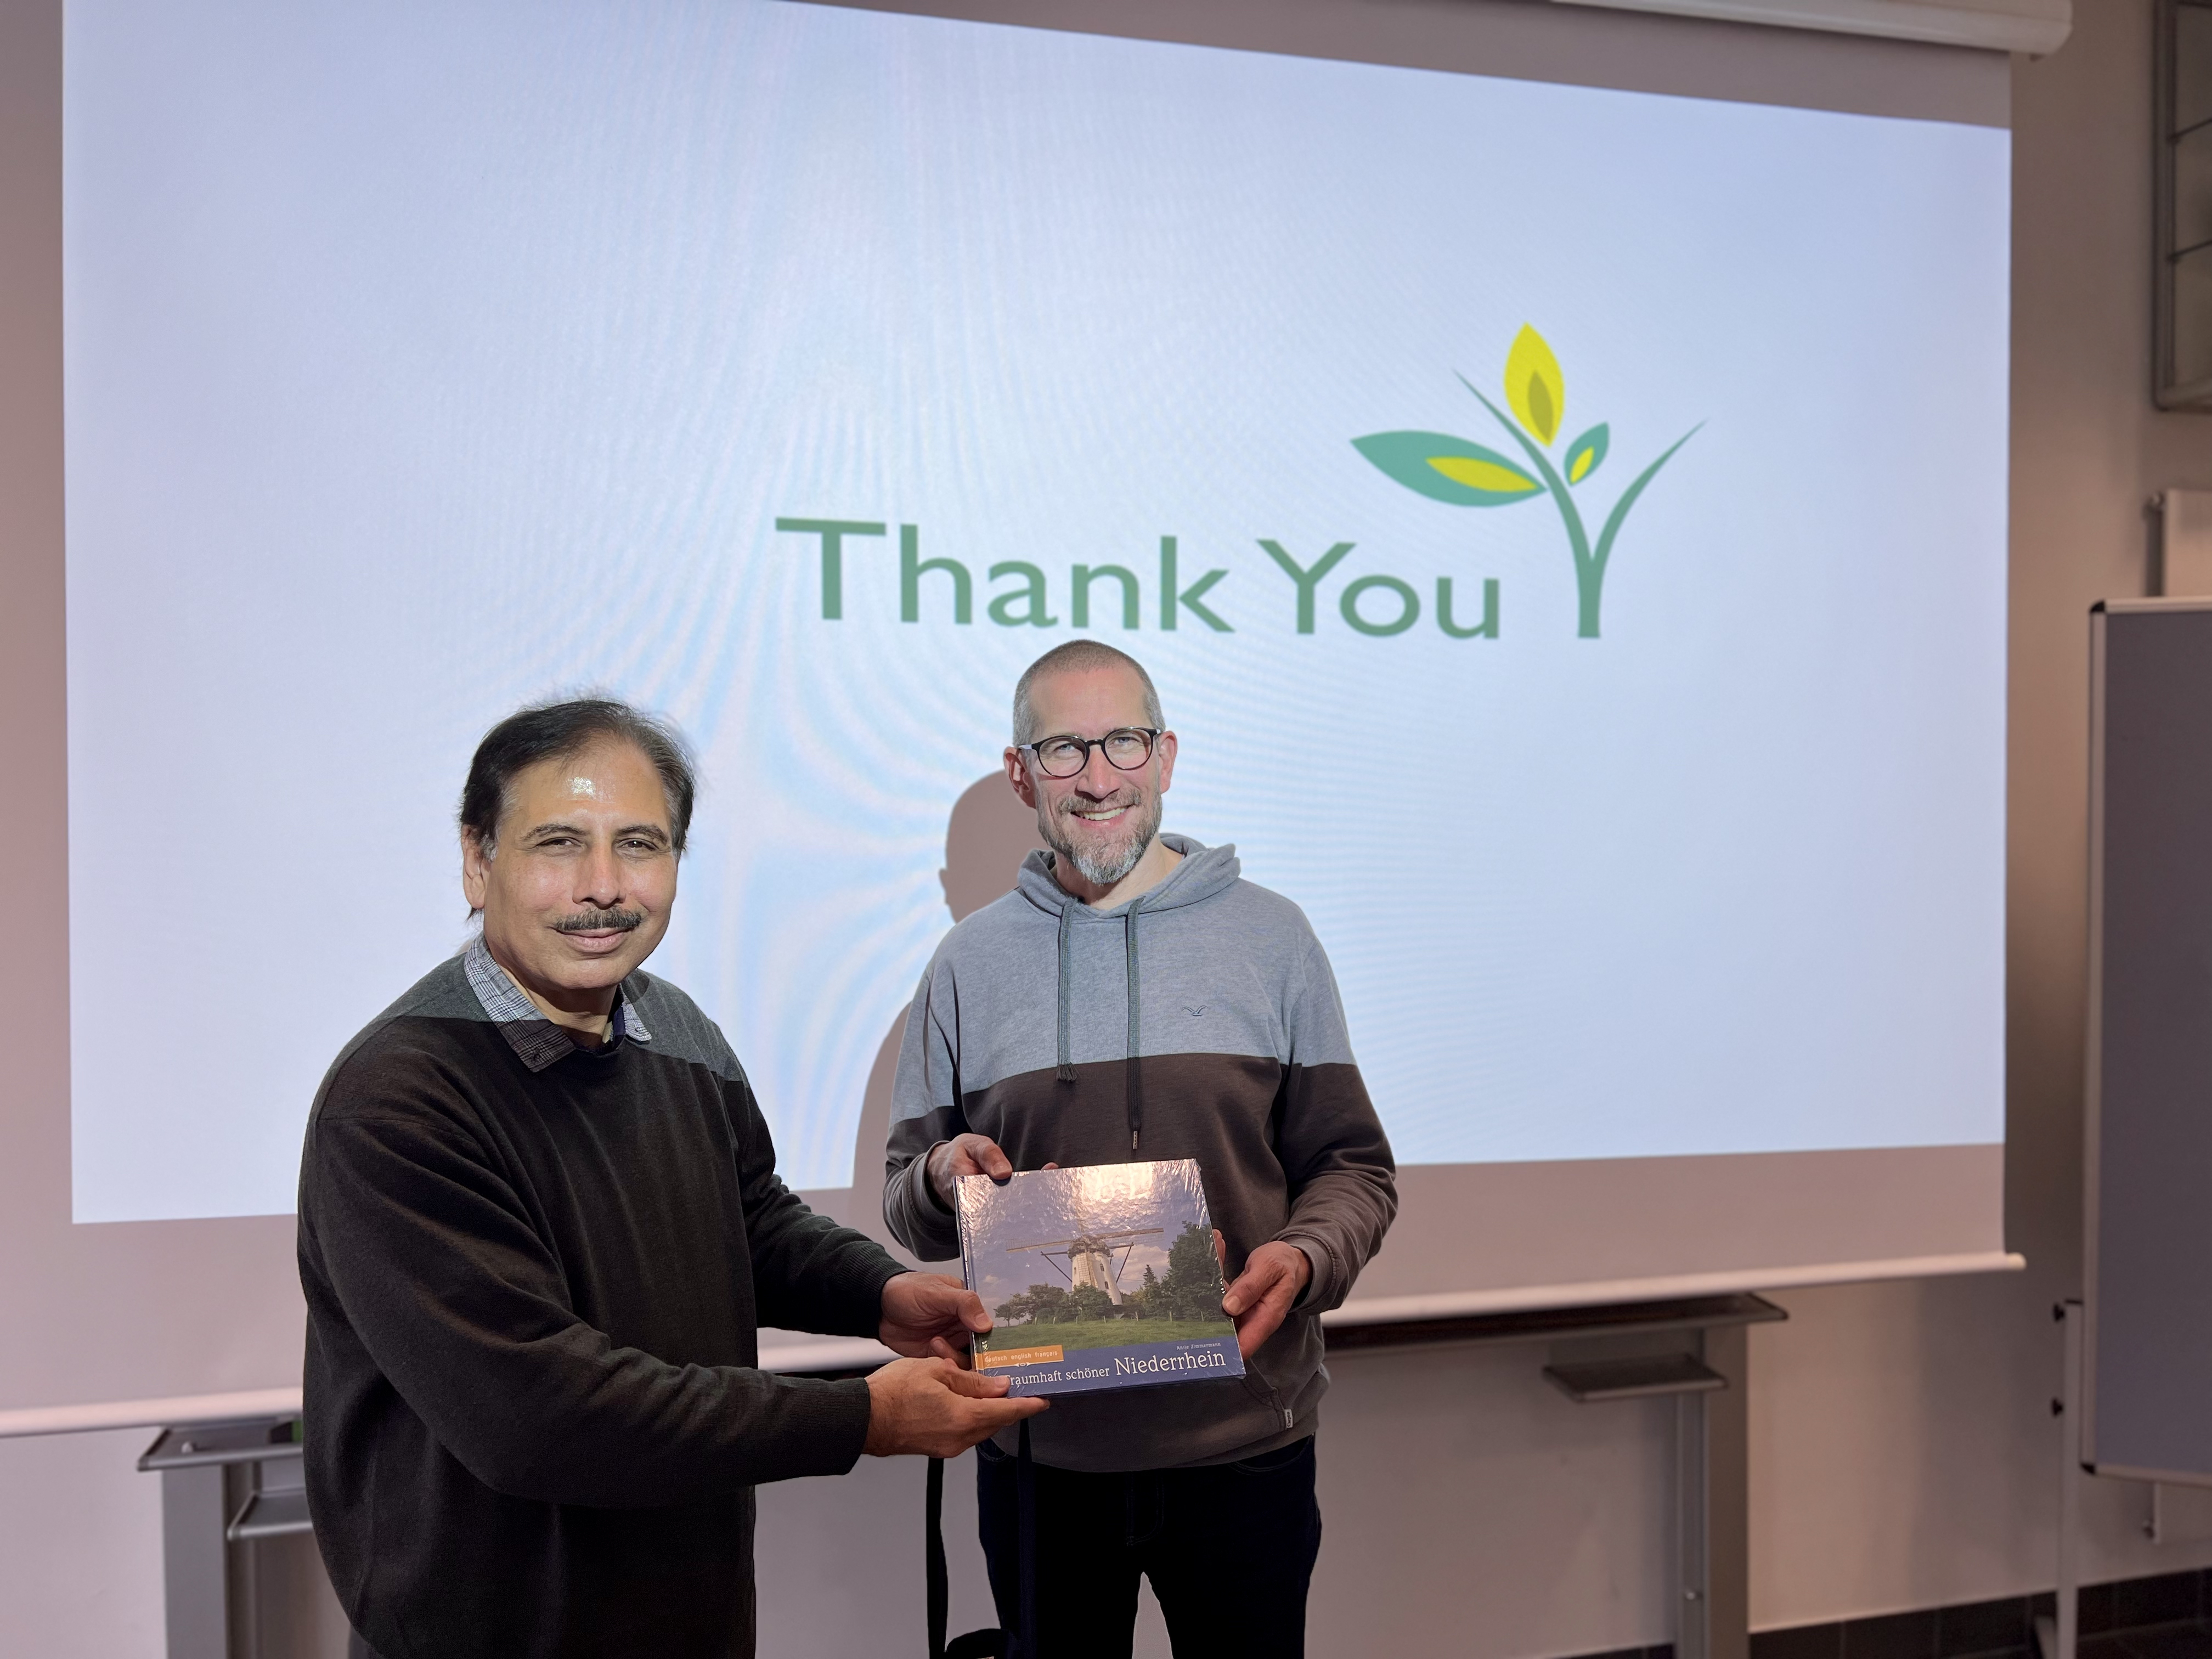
(2182,162)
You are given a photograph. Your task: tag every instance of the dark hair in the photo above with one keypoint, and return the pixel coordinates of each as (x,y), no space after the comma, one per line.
(1075,656)
(556,731)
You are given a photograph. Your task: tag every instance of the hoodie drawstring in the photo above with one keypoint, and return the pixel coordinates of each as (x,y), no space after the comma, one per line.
(1133,1082)
(1067,1072)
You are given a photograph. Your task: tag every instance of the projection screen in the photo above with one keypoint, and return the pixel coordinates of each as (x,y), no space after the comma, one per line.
(1566,523)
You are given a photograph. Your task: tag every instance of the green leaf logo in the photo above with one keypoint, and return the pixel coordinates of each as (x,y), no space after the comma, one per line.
(1587,453)
(1461,474)
(1448,469)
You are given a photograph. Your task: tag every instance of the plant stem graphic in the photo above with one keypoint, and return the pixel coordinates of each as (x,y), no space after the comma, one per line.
(1462,474)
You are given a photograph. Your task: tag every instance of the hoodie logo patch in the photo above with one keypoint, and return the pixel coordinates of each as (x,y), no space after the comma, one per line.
(1192,1012)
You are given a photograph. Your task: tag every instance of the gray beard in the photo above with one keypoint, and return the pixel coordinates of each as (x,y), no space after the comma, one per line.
(1105,866)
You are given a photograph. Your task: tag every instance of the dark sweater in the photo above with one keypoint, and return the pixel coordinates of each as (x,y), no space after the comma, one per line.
(533,1422)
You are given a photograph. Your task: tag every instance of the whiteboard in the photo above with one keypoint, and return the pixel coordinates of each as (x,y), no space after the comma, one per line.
(2147,1155)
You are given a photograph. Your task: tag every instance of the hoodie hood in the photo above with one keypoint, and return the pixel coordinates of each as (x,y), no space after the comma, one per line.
(1204,873)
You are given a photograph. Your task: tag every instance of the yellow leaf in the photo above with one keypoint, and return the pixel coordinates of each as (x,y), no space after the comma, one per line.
(1484,475)
(1583,463)
(1534,384)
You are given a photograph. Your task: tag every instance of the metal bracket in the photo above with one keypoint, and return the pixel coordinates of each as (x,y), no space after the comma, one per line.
(1639,1378)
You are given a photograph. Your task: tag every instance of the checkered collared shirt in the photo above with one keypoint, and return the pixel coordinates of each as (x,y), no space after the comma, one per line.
(536,1039)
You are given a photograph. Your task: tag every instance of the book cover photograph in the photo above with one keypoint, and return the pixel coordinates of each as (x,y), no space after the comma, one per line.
(1098,1277)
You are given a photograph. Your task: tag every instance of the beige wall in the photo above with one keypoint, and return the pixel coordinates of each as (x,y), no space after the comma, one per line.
(1903,1451)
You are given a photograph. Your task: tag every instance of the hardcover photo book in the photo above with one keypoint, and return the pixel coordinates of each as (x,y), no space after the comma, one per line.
(1098,1277)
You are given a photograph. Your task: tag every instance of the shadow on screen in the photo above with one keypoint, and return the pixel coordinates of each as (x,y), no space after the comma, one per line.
(989,833)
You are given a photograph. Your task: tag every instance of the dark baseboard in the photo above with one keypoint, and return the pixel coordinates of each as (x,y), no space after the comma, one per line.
(2166,1617)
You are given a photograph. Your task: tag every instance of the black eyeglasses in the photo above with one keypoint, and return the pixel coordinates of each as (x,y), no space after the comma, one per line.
(1126,748)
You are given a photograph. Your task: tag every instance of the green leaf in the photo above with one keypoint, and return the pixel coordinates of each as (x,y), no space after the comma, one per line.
(1587,453)
(1534,384)
(1447,468)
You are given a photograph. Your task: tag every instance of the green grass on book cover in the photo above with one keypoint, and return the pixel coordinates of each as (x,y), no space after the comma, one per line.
(1078,1334)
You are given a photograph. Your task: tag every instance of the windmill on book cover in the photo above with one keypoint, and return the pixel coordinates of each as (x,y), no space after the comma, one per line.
(1094,1259)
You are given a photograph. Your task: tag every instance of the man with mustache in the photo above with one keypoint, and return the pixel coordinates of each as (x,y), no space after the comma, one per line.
(1135,999)
(539,1220)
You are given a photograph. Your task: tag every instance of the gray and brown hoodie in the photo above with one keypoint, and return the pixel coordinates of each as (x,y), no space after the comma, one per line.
(1199,1020)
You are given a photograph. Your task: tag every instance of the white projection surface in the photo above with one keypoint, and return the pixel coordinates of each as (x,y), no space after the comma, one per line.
(425,360)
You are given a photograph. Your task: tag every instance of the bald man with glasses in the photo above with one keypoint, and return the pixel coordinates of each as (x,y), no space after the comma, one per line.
(1135,999)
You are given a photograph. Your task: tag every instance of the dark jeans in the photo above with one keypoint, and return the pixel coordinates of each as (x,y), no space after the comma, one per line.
(1230,1549)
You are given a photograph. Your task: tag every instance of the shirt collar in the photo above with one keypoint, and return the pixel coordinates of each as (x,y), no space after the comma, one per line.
(536,1039)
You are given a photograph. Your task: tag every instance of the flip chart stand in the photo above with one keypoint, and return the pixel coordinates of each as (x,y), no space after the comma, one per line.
(1694,1351)
(2138,1343)
(2056,1632)
(225,1487)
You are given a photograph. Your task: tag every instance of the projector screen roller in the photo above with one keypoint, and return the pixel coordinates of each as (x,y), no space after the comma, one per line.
(1566,526)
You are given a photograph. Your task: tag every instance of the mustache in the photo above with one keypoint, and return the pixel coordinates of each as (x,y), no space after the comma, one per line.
(600,922)
(1069,807)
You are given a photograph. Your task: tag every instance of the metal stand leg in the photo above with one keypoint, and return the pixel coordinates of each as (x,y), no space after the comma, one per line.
(1692,1540)
(1712,1530)
(1728,1495)
(2056,1636)
(223,1483)
(195,1568)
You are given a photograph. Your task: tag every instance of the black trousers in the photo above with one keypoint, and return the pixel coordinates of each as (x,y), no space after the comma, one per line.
(1230,1549)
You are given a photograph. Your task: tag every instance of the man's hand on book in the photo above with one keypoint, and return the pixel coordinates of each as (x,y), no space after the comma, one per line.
(930,1316)
(966,1155)
(1274,1276)
(932,1407)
